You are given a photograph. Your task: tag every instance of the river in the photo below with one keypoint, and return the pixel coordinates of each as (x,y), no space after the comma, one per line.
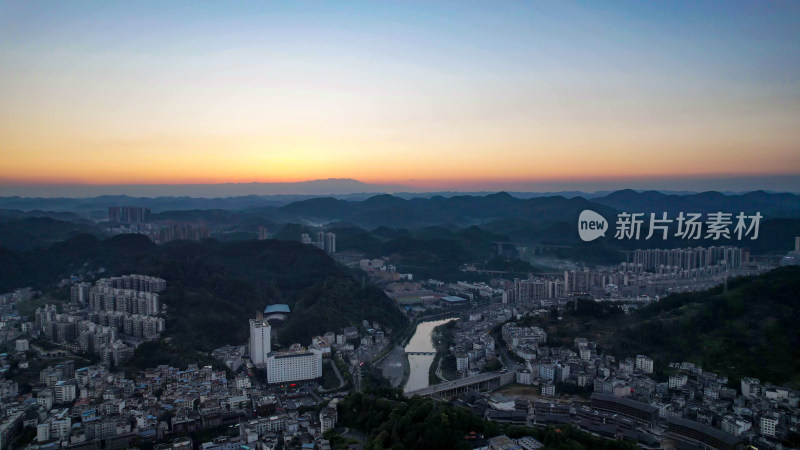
(421,364)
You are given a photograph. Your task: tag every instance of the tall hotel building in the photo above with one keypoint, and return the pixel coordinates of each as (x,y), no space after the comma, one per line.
(260,341)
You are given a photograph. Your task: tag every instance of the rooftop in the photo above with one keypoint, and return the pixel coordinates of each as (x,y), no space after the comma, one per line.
(720,435)
(644,407)
(277,308)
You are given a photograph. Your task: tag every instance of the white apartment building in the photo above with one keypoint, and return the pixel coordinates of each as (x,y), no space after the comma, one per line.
(260,341)
(243,382)
(644,364)
(462,362)
(547,372)
(261,426)
(524,377)
(768,424)
(735,425)
(64,392)
(678,381)
(22,345)
(57,426)
(751,386)
(327,419)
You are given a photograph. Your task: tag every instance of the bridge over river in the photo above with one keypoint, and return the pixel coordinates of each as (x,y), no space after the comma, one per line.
(481,382)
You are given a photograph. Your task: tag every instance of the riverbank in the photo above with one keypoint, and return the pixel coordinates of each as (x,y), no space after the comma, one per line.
(394,363)
(394,367)
(442,337)
(422,342)
(409,332)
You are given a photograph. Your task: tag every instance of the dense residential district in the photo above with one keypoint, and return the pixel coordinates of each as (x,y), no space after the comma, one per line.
(64,386)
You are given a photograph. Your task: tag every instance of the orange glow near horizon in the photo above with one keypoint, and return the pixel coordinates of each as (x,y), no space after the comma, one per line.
(197,161)
(177,94)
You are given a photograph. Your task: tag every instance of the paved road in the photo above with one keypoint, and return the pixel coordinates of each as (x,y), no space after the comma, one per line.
(336,371)
(439,370)
(508,363)
(393,366)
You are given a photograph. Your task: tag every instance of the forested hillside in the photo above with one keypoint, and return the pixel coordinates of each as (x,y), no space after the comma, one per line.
(423,423)
(214,287)
(752,330)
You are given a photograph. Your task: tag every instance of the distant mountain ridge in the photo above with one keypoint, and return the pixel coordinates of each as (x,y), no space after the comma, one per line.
(370,211)
(782,205)
(329,186)
(391,211)
(464,210)
(626,198)
(28,232)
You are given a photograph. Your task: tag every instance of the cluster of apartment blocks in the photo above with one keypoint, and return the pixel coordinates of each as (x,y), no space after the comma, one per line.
(128,214)
(627,401)
(136,220)
(760,413)
(695,405)
(547,290)
(92,408)
(265,432)
(473,346)
(372,342)
(161,233)
(547,366)
(205,399)
(628,281)
(544,365)
(12,325)
(652,272)
(63,328)
(667,260)
(325,241)
(134,294)
(108,319)
(80,333)
(135,282)
(691,402)
(611,282)
(379,271)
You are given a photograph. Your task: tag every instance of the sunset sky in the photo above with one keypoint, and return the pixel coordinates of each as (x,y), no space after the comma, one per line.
(431,94)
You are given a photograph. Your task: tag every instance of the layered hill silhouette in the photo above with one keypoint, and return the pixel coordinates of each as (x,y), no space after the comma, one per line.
(768,204)
(391,211)
(537,220)
(473,206)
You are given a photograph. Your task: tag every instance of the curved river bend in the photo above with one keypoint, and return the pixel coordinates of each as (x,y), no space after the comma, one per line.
(420,364)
